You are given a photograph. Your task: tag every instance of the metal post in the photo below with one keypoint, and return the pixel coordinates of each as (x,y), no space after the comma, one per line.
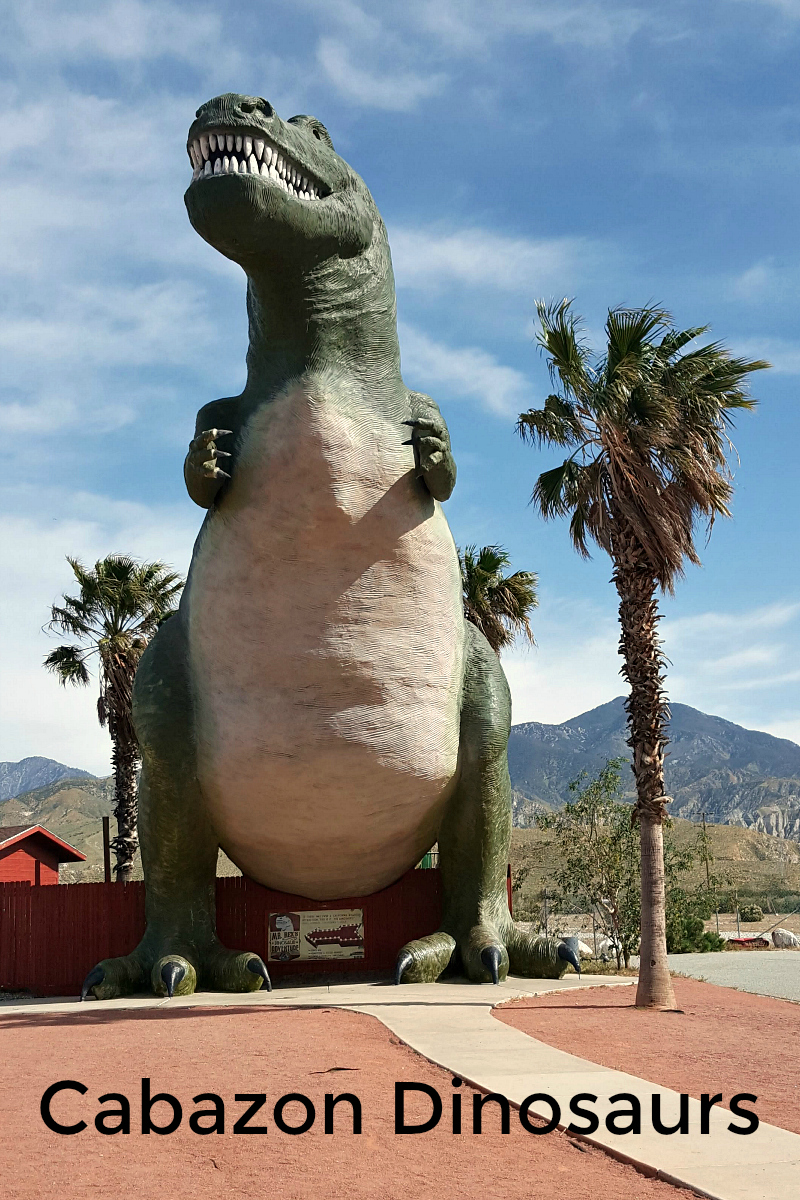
(594,934)
(106,849)
(738,929)
(545,912)
(708,878)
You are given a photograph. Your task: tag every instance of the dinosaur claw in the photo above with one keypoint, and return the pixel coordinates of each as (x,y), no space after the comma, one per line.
(404,961)
(568,955)
(96,975)
(172,973)
(255,965)
(491,958)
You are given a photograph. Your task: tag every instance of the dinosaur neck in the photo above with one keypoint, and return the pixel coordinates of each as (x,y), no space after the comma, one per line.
(339,313)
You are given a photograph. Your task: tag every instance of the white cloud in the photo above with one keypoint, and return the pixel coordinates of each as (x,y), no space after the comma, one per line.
(472,29)
(782,355)
(463,371)
(37,715)
(787,728)
(391,57)
(738,665)
(697,631)
(395,90)
(105,281)
(125,31)
(467,26)
(481,258)
(574,666)
(756,282)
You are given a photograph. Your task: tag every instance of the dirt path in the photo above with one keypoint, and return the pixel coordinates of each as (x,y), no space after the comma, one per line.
(228,1051)
(723,1041)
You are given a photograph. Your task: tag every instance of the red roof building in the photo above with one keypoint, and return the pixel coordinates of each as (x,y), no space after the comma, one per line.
(31,854)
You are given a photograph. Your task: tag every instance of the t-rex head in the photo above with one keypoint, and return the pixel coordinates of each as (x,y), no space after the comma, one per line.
(269,193)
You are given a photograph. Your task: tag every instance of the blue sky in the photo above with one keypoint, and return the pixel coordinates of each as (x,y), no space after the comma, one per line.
(617,153)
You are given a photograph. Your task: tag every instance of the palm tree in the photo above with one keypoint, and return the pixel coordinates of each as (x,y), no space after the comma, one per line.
(647,426)
(498,604)
(120,605)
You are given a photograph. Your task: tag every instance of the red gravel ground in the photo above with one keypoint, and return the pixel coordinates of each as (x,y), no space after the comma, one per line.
(276,1051)
(723,1041)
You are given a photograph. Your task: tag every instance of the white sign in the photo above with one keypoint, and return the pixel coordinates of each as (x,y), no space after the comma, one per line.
(322,934)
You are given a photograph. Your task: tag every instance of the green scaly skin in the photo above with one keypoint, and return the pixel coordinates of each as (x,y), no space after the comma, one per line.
(320,290)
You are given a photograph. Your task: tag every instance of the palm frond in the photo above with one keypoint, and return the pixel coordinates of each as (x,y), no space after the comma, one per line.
(557,491)
(628,333)
(559,336)
(497,604)
(556,424)
(67,662)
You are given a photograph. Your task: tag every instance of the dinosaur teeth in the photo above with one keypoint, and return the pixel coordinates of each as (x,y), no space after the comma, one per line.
(226,153)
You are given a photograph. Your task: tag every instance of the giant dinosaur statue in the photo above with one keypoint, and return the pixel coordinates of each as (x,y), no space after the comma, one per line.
(318,706)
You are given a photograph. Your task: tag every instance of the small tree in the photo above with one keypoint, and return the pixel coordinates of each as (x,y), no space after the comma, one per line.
(598,857)
(598,870)
(498,604)
(118,608)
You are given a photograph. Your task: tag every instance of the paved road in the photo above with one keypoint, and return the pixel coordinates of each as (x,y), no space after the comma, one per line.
(767,972)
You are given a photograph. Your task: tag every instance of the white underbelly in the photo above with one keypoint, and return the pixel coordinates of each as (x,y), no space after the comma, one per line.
(327,641)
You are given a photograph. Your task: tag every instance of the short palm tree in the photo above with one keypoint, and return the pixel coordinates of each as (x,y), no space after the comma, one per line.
(647,429)
(498,604)
(119,606)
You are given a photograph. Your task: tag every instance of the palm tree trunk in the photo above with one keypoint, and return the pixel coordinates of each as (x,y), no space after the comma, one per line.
(648,714)
(124,760)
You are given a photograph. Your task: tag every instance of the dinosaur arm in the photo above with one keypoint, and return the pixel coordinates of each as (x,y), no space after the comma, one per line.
(208,465)
(431,441)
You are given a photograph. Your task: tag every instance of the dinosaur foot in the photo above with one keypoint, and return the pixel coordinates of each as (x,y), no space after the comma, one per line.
(481,953)
(174,974)
(538,957)
(487,954)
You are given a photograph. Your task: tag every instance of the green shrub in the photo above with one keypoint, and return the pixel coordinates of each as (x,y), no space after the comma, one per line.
(751,912)
(686,934)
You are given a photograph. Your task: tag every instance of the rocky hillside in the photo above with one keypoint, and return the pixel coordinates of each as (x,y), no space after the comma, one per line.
(73,809)
(31,773)
(758,865)
(736,776)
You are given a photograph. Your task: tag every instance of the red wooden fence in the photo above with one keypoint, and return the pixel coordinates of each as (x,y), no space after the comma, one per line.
(50,938)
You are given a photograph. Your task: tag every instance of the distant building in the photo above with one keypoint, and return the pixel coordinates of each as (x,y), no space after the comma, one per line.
(31,854)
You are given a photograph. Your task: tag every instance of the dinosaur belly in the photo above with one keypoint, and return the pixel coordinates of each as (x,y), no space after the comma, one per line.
(327,642)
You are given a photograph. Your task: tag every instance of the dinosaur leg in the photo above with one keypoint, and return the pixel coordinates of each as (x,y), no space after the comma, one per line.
(180,948)
(477,931)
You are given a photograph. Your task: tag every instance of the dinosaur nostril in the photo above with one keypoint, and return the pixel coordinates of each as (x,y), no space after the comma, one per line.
(249,106)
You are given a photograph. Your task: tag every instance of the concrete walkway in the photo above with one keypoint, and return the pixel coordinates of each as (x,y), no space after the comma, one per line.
(452,1025)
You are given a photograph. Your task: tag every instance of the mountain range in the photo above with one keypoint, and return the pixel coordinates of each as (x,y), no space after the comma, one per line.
(736,776)
(32,773)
